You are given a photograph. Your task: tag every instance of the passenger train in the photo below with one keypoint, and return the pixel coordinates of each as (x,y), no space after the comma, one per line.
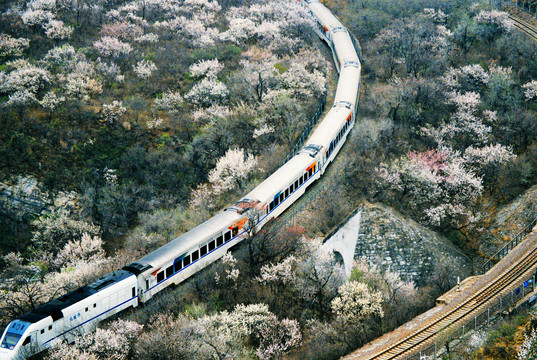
(81,310)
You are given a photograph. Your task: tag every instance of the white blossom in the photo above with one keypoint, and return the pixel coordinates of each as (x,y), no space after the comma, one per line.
(36,17)
(169,101)
(56,29)
(489,154)
(62,55)
(110,176)
(144,69)
(528,349)
(80,86)
(207,92)
(263,130)
(10,46)
(355,302)
(24,78)
(88,249)
(110,46)
(208,68)
(530,90)
(154,123)
(112,112)
(232,170)
(147,38)
(499,18)
(50,101)
(280,272)
(110,69)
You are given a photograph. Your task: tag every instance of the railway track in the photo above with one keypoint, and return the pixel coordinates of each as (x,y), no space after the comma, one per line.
(459,313)
(524,26)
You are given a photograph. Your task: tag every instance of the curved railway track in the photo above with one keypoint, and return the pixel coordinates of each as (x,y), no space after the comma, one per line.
(460,312)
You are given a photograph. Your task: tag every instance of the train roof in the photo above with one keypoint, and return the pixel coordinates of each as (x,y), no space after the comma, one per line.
(330,126)
(55,307)
(184,243)
(280,178)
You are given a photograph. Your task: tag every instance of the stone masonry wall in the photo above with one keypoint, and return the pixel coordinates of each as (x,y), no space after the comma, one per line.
(392,241)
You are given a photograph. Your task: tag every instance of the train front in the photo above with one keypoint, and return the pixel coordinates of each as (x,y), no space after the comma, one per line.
(15,341)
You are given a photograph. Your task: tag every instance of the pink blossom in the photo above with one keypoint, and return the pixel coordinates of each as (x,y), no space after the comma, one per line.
(110,46)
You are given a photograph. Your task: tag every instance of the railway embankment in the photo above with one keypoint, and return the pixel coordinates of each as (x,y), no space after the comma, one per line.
(505,222)
(501,289)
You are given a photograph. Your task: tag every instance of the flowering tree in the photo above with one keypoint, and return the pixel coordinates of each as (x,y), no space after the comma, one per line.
(209,90)
(318,278)
(122,30)
(23,77)
(143,69)
(356,302)
(113,343)
(229,273)
(304,84)
(493,24)
(169,101)
(57,228)
(222,333)
(56,29)
(259,75)
(232,170)
(437,183)
(88,249)
(10,46)
(530,90)
(112,112)
(111,46)
(528,349)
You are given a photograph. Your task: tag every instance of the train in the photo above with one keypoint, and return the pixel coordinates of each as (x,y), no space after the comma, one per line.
(80,311)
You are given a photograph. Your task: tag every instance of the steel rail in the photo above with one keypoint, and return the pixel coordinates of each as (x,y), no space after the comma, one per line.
(524,26)
(477,301)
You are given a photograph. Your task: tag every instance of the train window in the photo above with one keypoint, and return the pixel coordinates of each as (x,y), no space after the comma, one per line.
(271,206)
(282,197)
(94,306)
(286,193)
(177,265)
(186,261)
(234,231)
(42,331)
(219,240)
(87,309)
(203,250)
(50,327)
(195,255)
(147,284)
(276,201)
(160,276)
(296,184)
(169,271)
(228,235)
(300,180)
(310,172)
(212,245)
(133,295)
(291,188)
(26,341)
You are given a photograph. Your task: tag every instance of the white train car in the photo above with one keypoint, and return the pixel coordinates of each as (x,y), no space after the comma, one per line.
(77,312)
(188,254)
(81,310)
